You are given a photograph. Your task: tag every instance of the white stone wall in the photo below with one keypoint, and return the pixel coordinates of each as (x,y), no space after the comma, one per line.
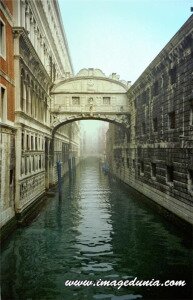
(41,57)
(6,178)
(43,22)
(86,93)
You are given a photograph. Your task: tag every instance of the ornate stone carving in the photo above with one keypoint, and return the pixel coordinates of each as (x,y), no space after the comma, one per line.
(92,88)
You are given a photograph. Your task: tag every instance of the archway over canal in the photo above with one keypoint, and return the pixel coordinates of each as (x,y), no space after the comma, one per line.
(90,95)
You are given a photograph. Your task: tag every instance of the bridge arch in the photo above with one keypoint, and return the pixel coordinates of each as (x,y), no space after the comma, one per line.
(90,95)
(123,121)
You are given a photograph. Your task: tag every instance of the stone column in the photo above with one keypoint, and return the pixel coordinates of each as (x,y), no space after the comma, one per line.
(27,18)
(17,70)
(22,21)
(35,36)
(32,29)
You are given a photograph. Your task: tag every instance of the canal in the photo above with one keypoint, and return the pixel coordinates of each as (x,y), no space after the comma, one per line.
(97,230)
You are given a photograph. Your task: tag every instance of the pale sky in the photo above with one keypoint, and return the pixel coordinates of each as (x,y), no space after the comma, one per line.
(121,36)
(92,126)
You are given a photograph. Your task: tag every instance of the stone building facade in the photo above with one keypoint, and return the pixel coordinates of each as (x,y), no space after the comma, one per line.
(39,57)
(155,156)
(66,149)
(7,130)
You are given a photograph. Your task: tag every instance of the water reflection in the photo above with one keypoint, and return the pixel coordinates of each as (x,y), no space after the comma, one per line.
(96,229)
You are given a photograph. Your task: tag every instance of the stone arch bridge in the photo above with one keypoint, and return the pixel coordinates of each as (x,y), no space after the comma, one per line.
(90,95)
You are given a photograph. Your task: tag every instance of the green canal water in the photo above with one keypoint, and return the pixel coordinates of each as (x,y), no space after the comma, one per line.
(97,230)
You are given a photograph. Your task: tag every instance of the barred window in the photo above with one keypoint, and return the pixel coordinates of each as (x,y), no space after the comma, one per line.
(3,104)
(172,120)
(155,88)
(153,170)
(155,125)
(106,100)
(191,114)
(75,100)
(32,142)
(170,174)
(22,141)
(128,162)
(143,128)
(173,75)
(2,39)
(142,167)
(36,143)
(27,142)
(133,163)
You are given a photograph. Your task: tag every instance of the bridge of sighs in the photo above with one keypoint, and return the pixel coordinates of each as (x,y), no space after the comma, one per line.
(90,95)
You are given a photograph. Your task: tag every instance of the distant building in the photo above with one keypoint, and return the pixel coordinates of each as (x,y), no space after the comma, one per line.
(93,140)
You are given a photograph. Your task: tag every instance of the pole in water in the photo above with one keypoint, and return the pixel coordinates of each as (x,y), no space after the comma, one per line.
(59,165)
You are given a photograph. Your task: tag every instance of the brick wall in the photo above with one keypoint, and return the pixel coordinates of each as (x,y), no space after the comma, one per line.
(7,132)
(7,62)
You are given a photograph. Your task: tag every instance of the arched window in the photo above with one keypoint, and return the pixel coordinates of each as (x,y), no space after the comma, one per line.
(38,105)
(40,162)
(36,143)
(26,167)
(29,158)
(32,142)
(28,99)
(22,165)
(45,110)
(42,110)
(36,102)
(32,98)
(22,87)
(34,163)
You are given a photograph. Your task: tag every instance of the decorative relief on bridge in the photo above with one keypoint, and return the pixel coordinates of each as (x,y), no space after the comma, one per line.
(120,119)
(90,85)
(90,94)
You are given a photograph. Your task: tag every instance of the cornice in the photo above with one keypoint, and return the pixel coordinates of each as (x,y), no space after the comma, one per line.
(109,113)
(7,77)
(6,13)
(24,117)
(72,79)
(40,13)
(31,74)
(61,136)
(63,33)
(88,93)
(6,126)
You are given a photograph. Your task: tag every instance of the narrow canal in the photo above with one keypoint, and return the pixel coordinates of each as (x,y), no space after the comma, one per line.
(98,229)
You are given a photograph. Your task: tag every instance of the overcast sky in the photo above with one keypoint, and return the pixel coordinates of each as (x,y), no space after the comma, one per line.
(121,36)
